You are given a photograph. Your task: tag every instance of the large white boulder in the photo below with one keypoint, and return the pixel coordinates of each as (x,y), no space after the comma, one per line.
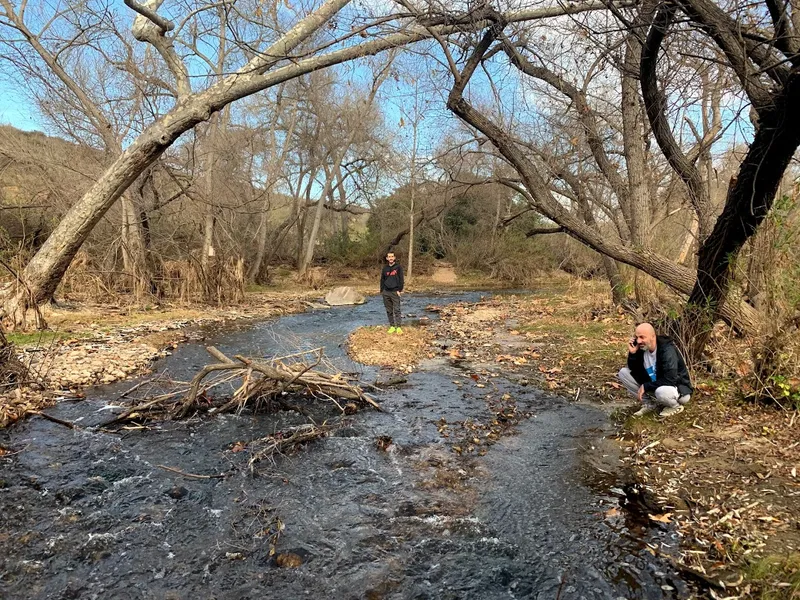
(344,295)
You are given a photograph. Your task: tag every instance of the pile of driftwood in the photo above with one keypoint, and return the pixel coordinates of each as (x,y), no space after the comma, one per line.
(257,382)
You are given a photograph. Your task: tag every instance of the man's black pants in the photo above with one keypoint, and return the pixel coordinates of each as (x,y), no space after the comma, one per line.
(391,300)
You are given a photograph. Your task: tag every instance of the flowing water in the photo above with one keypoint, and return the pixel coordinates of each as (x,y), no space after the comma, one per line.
(88,514)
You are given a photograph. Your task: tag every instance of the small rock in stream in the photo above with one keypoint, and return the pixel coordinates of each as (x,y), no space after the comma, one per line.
(288,560)
(177,492)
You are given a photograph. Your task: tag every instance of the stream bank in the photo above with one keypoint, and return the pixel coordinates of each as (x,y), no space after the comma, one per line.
(385,507)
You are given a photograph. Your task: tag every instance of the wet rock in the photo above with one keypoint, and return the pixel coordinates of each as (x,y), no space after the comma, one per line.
(288,560)
(346,432)
(68,495)
(406,509)
(344,295)
(177,492)
(641,500)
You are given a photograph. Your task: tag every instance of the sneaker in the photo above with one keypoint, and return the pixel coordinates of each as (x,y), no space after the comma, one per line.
(392,330)
(398,330)
(645,410)
(671,410)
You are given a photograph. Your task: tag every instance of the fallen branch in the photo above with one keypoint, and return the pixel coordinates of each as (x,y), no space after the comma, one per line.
(281,441)
(190,475)
(67,424)
(256,381)
(277,379)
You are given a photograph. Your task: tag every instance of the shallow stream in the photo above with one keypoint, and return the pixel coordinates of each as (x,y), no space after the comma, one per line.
(88,514)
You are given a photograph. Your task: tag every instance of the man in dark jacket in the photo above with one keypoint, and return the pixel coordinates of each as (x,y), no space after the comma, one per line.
(656,373)
(391,289)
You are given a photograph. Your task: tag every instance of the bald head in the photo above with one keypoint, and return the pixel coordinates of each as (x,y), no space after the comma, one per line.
(646,336)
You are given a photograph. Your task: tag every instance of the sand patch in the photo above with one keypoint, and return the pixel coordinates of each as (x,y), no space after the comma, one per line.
(374,346)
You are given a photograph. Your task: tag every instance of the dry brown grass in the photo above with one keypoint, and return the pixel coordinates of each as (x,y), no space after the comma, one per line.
(374,346)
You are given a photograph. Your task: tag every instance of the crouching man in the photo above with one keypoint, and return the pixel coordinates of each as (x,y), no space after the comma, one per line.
(656,373)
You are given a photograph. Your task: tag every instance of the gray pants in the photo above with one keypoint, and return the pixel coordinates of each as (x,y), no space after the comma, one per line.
(391,300)
(665,395)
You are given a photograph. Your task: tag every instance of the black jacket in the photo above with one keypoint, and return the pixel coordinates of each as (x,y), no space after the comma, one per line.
(392,278)
(670,368)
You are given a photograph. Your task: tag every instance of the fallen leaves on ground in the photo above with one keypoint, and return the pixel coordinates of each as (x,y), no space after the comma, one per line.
(725,468)
(17,403)
(724,471)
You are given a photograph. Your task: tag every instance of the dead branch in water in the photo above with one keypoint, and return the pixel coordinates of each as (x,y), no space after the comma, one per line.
(256,381)
(53,419)
(282,441)
(276,378)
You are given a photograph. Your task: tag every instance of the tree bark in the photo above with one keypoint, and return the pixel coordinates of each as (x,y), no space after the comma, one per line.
(312,240)
(750,195)
(134,249)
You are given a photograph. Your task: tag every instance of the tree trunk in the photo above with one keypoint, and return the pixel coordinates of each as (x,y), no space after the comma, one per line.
(261,242)
(411,234)
(344,219)
(415,126)
(208,251)
(327,192)
(312,240)
(635,160)
(750,197)
(134,250)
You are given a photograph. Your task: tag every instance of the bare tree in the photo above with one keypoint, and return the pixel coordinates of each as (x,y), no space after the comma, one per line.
(98,114)
(664,269)
(265,66)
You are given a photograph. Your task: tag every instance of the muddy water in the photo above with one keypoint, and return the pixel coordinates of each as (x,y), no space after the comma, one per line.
(87,514)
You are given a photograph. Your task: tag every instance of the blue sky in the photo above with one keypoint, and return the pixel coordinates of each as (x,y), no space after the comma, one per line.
(15,109)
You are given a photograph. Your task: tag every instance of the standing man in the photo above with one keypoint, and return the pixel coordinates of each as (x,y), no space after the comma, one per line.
(391,289)
(656,373)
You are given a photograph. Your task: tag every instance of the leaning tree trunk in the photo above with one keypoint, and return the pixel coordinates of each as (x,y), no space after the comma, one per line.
(750,197)
(46,269)
(677,277)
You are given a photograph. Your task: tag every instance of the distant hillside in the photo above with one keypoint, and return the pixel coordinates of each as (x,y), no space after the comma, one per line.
(40,177)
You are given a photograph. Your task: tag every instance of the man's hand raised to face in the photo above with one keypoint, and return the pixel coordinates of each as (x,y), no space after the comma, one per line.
(633,346)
